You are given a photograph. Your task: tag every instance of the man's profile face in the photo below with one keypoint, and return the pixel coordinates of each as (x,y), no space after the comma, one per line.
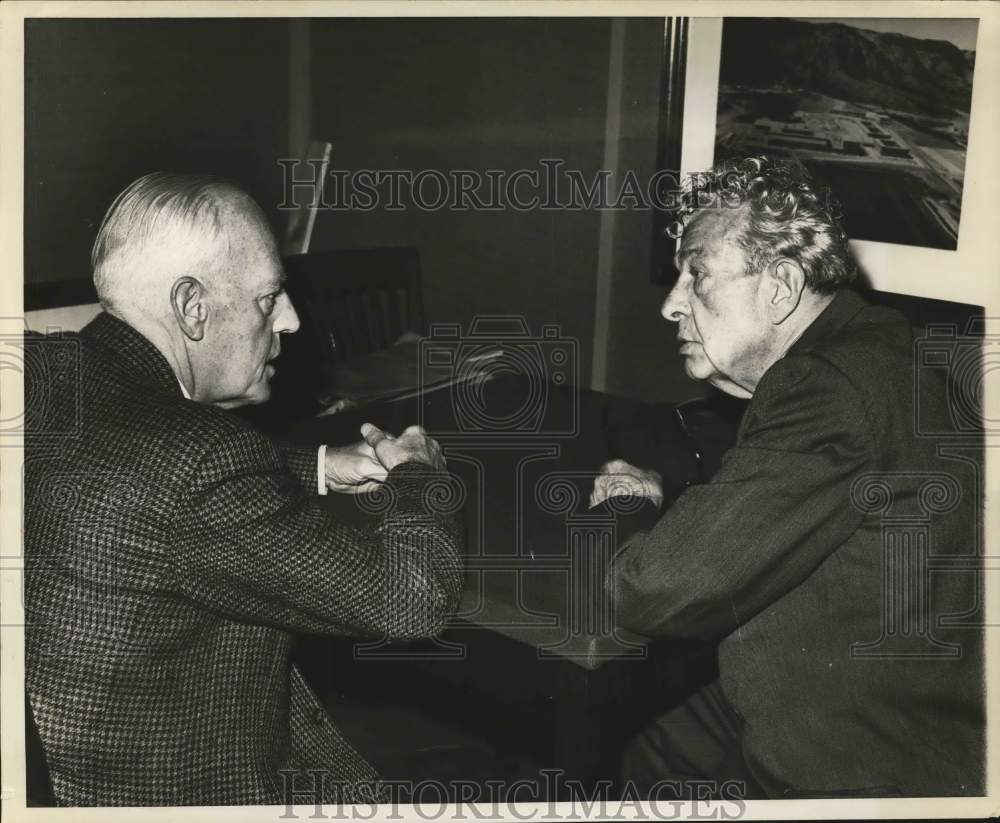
(717,307)
(250,310)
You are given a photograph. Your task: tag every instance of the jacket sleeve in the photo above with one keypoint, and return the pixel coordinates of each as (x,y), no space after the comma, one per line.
(303,461)
(252,544)
(778,506)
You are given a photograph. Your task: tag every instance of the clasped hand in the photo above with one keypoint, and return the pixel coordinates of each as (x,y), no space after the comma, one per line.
(618,477)
(362,467)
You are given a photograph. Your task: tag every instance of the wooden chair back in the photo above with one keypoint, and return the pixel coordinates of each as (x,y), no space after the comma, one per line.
(356,301)
(350,303)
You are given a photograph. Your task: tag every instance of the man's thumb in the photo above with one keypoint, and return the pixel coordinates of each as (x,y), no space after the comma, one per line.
(373,435)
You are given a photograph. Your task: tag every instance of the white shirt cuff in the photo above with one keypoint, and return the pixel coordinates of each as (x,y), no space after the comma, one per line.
(321,470)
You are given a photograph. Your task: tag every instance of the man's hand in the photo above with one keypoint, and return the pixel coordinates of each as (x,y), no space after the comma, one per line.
(620,478)
(353,469)
(412,445)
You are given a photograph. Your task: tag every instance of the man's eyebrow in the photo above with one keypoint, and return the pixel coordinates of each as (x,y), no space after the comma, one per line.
(278,284)
(684,254)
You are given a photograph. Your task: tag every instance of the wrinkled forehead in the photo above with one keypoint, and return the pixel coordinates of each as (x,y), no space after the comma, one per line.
(710,233)
(254,261)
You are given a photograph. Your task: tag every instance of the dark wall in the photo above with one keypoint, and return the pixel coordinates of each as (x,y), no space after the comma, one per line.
(643,361)
(109,100)
(471,94)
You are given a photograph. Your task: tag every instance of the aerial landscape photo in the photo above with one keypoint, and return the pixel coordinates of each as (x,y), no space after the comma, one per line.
(876,108)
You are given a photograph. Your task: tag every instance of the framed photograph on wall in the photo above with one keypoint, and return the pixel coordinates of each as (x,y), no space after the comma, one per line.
(877,108)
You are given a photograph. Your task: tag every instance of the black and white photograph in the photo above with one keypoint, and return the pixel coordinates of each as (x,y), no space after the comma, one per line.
(431,413)
(879,108)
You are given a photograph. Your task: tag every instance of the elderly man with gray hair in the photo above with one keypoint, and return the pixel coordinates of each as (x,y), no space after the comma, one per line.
(173,551)
(833,554)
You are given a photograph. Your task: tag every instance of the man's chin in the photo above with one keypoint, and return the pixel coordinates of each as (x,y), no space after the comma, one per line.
(697,370)
(727,386)
(255,395)
(259,393)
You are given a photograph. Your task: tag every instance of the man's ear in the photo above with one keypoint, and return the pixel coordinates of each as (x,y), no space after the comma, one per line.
(187,299)
(788,280)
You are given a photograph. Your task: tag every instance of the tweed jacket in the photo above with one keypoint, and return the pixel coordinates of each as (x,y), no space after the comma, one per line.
(835,556)
(172,554)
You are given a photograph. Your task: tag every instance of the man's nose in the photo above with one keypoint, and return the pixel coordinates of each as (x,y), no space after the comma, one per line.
(287,318)
(676,305)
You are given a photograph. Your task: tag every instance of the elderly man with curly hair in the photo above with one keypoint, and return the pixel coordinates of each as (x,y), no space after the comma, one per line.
(846,668)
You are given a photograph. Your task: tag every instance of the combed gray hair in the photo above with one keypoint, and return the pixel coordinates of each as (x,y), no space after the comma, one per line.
(162,226)
(788,215)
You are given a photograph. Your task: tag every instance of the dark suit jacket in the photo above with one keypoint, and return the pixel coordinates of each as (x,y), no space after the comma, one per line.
(172,551)
(835,556)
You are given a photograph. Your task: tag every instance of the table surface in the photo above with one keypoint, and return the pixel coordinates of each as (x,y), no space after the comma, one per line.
(525,452)
(533,662)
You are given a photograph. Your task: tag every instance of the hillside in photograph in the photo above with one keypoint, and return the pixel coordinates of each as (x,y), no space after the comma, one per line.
(930,77)
(882,117)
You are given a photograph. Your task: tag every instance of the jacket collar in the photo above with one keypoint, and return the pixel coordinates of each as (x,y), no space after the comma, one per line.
(132,353)
(844,306)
